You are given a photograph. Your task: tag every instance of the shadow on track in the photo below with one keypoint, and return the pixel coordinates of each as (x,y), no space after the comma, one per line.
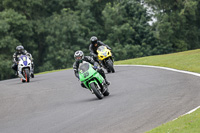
(94,99)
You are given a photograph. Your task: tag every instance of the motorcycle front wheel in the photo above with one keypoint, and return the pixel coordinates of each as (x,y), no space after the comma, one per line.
(27,74)
(96,90)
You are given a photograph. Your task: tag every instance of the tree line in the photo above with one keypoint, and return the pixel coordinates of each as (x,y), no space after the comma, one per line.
(52,30)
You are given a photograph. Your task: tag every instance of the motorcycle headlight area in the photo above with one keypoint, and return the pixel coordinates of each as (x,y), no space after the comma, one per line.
(105,54)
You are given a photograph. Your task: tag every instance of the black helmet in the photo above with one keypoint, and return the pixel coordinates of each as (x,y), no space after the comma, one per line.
(79,55)
(93,39)
(19,49)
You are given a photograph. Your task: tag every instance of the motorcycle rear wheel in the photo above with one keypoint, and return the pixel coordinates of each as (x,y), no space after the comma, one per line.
(106,93)
(110,66)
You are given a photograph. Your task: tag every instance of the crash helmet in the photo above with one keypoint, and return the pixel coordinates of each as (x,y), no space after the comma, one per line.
(19,49)
(93,40)
(79,55)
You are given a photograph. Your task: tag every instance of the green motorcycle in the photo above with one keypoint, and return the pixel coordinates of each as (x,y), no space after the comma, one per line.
(93,80)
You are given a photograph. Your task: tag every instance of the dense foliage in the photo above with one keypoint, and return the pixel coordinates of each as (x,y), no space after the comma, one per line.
(178,25)
(52,30)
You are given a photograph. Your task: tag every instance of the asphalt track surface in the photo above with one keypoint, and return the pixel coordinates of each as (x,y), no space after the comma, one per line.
(140,99)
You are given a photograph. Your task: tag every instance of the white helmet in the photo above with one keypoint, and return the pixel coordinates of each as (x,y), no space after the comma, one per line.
(79,55)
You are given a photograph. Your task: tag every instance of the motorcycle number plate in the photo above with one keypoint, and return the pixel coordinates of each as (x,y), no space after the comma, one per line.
(86,74)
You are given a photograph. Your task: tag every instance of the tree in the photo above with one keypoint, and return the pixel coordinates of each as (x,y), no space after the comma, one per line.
(14,30)
(127,29)
(63,39)
(177,24)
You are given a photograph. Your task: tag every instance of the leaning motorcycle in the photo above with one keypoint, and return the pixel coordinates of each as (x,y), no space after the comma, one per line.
(93,80)
(106,59)
(25,69)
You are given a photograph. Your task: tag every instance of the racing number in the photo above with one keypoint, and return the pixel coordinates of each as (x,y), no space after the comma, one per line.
(86,74)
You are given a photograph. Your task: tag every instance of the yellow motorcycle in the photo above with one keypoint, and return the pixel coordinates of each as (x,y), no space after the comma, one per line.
(105,58)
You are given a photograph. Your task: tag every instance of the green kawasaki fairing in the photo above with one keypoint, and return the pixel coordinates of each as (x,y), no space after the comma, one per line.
(87,75)
(92,80)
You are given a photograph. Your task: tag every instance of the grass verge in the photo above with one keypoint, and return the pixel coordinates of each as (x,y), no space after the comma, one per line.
(185,124)
(188,61)
(51,71)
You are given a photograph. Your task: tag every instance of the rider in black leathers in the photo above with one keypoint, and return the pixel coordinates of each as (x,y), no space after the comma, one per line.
(80,58)
(95,43)
(20,51)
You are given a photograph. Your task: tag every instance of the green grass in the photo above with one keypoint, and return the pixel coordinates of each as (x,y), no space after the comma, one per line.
(189,61)
(186,124)
(51,71)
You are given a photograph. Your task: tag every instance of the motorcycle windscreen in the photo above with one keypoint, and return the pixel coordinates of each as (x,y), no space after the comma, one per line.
(24,58)
(102,51)
(85,71)
(84,67)
(101,48)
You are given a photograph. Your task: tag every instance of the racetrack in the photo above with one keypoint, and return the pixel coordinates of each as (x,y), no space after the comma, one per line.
(141,98)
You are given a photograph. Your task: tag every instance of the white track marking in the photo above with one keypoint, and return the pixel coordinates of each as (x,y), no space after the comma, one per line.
(166,68)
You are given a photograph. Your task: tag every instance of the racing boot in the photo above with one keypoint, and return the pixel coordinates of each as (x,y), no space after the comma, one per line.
(107,82)
(32,75)
(32,71)
(16,73)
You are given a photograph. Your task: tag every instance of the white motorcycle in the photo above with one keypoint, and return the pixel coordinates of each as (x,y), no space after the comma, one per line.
(25,70)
